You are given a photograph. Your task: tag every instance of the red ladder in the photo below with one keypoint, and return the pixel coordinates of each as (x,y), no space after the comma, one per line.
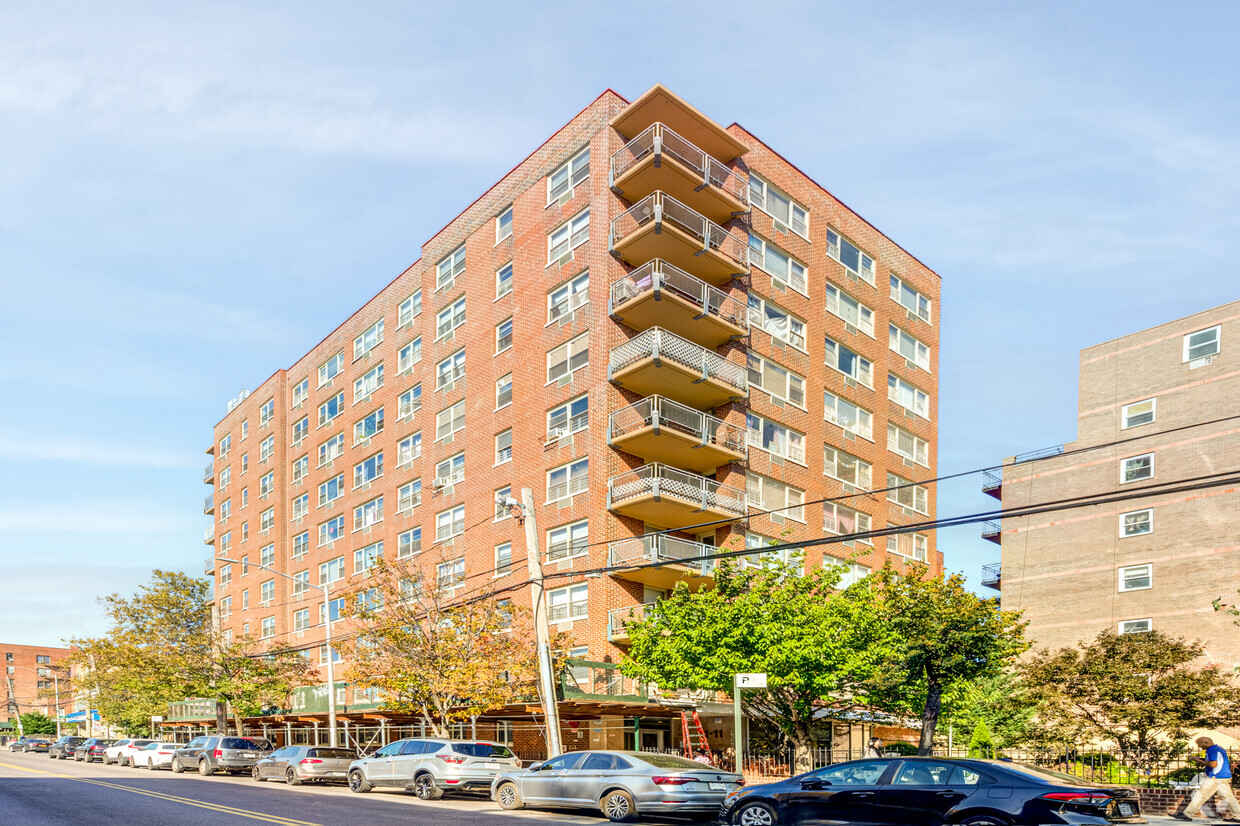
(687,734)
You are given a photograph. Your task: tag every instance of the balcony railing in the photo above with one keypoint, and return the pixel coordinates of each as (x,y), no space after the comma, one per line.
(659,413)
(663,482)
(657,343)
(208,474)
(993,530)
(661,548)
(992,574)
(618,618)
(659,277)
(661,209)
(208,503)
(659,140)
(208,536)
(584,679)
(209,566)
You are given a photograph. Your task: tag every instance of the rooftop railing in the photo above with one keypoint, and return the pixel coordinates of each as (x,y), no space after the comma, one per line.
(660,208)
(660,412)
(659,276)
(659,140)
(668,482)
(658,343)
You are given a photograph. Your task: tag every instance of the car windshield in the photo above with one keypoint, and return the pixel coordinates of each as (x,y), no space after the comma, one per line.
(333,754)
(671,761)
(481,749)
(137,744)
(241,743)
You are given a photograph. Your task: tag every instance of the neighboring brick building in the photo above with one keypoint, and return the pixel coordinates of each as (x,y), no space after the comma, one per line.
(1148,421)
(627,312)
(32,676)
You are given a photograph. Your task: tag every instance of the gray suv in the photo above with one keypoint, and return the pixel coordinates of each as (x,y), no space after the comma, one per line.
(430,767)
(220,754)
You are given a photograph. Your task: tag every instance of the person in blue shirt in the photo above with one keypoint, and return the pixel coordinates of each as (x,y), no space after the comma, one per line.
(1217,781)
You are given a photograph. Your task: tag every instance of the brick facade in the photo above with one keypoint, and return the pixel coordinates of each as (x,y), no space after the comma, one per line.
(34,672)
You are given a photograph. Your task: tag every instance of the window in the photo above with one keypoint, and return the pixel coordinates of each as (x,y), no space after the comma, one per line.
(409,355)
(913,350)
(331,408)
(301,582)
(449,523)
(40,659)
(1136,523)
(1138,626)
(332,449)
(1202,343)
(368,513)
(266,484)
(245,429)
(225,478)
(774,379)
(502,511)
(365,558)
(331,571)
(850,572)
(908,396)
(912,545)
(783,501)
(568,418)
(503,391)
(267,520)
(503,280)
(778,322)
(368,470)
(451,470)
(779,556)
(450,318)
(1139,413)
(775,438)
(568,357)
(503,225)
(266,447)
(850,417)
(267,555)
(503,447)
(300,428)
(266,592)
(409,402)
(779,206)
(903,443)
(368,426)
(226,577)
(331,530)
(850,363)
(1136,468)
(452,265)
(568,480)
(225,510)
(334,608)
(568,541)
(568,297)
(785,271)
(301,392)
(503,335)
(331,368)
(301,544)
(450,420)
(409,309)
(367,384)
(225,445)
(266,412)
(858,264)
(849,310)
(409,496)
(331,490)
(565,178)
(1136,577)
(245,462)
(301,619)
(910,299)
(842,521)
(904,493)
(450,573)
(409,543)
(845,467)
(565,238)
(503,558)
(450,370)
(408,449)
(368,340)
(566,604)
(245,526)
(269,627)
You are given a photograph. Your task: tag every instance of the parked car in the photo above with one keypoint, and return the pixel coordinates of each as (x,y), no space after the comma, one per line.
(220,754)
(63,748)
(930,791)
(301,764)
(430,767)
(121,752)
(154,755)
(622,784)
(28,744)
(91,749)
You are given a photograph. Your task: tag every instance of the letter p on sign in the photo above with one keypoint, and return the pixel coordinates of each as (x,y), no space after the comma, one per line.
(751,681)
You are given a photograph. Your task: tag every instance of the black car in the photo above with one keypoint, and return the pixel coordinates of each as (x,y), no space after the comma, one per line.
(63,748)
(930,791)
(28,744)
(91,750)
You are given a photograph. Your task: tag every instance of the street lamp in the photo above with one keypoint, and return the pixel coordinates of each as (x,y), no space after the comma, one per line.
(56,682)
(327,625)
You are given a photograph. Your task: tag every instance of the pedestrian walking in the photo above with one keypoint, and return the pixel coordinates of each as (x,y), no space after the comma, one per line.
(1217,781)
(874,748)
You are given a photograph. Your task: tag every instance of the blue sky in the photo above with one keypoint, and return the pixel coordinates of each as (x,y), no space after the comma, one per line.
(1071,170)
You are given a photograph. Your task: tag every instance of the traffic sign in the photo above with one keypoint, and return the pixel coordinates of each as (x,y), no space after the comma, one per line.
(751,680)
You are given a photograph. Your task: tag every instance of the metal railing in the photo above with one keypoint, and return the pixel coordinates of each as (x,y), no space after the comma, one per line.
(617,617)
(657,343)
(992,527)
(992,574)
(658,276)
(640,550)
(208,536)
(208,474)
(659,412)
(586,678)
(208,503)
(992,479)
(1040,453)
(659,140)
(209,566)
(660,208)
(672,483)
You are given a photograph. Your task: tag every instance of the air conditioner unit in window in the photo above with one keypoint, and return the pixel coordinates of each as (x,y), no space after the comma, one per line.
(780,226)
(442,482)
(555,435)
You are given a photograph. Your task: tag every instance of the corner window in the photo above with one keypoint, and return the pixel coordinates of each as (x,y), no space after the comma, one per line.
(1139,413)
(503,225)
(1136,468)
(1136,523)
(1136,577)
(787,213)
(1203,343)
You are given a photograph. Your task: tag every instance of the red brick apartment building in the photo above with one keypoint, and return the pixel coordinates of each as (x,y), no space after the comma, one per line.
(33,675)
(660,326)
(1157,434)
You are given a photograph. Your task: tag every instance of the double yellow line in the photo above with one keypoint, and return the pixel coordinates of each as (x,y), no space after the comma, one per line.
(215,807)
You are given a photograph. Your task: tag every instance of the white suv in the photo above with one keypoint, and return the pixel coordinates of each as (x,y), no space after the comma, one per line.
(430,767)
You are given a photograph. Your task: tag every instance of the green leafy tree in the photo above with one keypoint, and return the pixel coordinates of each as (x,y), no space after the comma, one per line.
(998,700)
(35,723)
(981,744)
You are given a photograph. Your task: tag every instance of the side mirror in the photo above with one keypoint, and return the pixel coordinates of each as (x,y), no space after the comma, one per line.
(536,766)
(814,784)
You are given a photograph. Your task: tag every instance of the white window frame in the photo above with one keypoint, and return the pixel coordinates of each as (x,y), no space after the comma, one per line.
(832,405)
(503,454)
(866,266)
(301,391)
(408,449)
(568,541)
(921,399)
(1125,478)
(908,494)
(331,368)
(505,568)
(1148,522)
(301,505)
(449,523)
(267,520)
(503,281)
(1126,413)
(409,355)
(452,469)
(1147,569)
(863,368)
(863,522)
(569,603)
(301,428)
(573,423)
(841,304)
(500,336)
(267,412)
(410,308)
(326,417)
(368,514)
(502,511)
(301,544)
(409,496)
(368,470)
(267,591)
(567,237)
(409,402)
(1216,340)
(920,453)
(503,385)
(863,475)
(576,480)
(325,533)
(922,307)
(266,484)
(896,339)
(787,502)
(455,420)
(760,314)
(568,296)
(503,225)
(370,338)
(761,192)
(565,178)
(266,448)
(331,449)
(793,383)
(793,441)
(268,627)
(449,268)
(301,619)
(327,486)
(333,570)
(1149,626)
(449,371)
(920,545)
(771,259)
(449,318)
(409,543)
(367,427)
(850,572)
(572,348)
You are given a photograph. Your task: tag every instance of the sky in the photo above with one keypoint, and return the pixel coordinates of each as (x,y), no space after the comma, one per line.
(192,195)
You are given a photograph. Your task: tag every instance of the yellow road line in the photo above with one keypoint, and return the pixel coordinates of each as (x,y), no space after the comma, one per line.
(216,807)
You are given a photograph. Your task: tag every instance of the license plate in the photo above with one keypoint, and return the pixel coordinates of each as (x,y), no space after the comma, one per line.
(1125,809)
(718,787)
(493,765)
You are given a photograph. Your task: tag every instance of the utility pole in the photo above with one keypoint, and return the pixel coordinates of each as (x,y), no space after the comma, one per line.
(542,631)
(15,709)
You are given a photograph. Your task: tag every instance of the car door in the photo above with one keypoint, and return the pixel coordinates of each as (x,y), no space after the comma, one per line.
(405,764)
(273,764)
(583,784)
(545,785)
(925,792)
(379,767)
(842,794)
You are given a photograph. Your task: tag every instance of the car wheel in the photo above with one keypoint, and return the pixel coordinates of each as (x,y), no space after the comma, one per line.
(204,768)
(291,777)
(257,775)
(177,768)
(756,814)
(424,787)
(358,782)
(508,796)
(618,806)
(983,820)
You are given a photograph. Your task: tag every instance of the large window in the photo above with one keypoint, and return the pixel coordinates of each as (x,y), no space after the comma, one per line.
(331,571)
(568,297)
(845,467)
(409,496)
(409,309)
(565,178)
(910,299)
(332,449)
(569,357)
(571,603)
(908,396)
(568,418)
(449,523)
(913,350)
(368,340)
(368,470)
(904,493)
(850,572)
(852,364)
(449,267)
(781,383)
(450,471)
(567,237)
(568,540)
(331,408)
(914,546)
(1136,523)
(368,513)
(788,214)
(839,520)
(451,573)
(409,543)
(783,500)
(849,310)
(1136,577)
(568,480)
(365,558)
(331,490)
(450,370)
(450,318)
(775,438)
(450,420)
(850,417)
(409,355)
(331,530)
(408,449)
(858,264)
(409,402)
(368,426)
(785,271)
(331,368)
(911,447)
(1139,413)
(1136,468)
(775,320)
(1202,343)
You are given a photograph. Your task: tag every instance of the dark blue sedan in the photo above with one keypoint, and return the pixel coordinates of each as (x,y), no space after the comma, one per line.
(929,791)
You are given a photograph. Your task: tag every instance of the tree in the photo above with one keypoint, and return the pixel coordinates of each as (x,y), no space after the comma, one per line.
(431,651)
(941,637)
(36,722)
(981,744)
(817,650)
(1139,691)
(999,701)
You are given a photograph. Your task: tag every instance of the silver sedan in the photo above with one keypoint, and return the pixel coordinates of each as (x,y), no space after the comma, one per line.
(300,764)
(622,784)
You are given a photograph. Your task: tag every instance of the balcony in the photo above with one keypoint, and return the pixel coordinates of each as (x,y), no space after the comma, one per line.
(208,475)
(658,363)
(208,536)
(599,682)
(208,503)
(993,530)
(672,498)
(992,575)
(658,105)
(659,226)
(664,560)
(209,566)
(660,295)
(992,483)
(618,618)
(660,159)
(659,429)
